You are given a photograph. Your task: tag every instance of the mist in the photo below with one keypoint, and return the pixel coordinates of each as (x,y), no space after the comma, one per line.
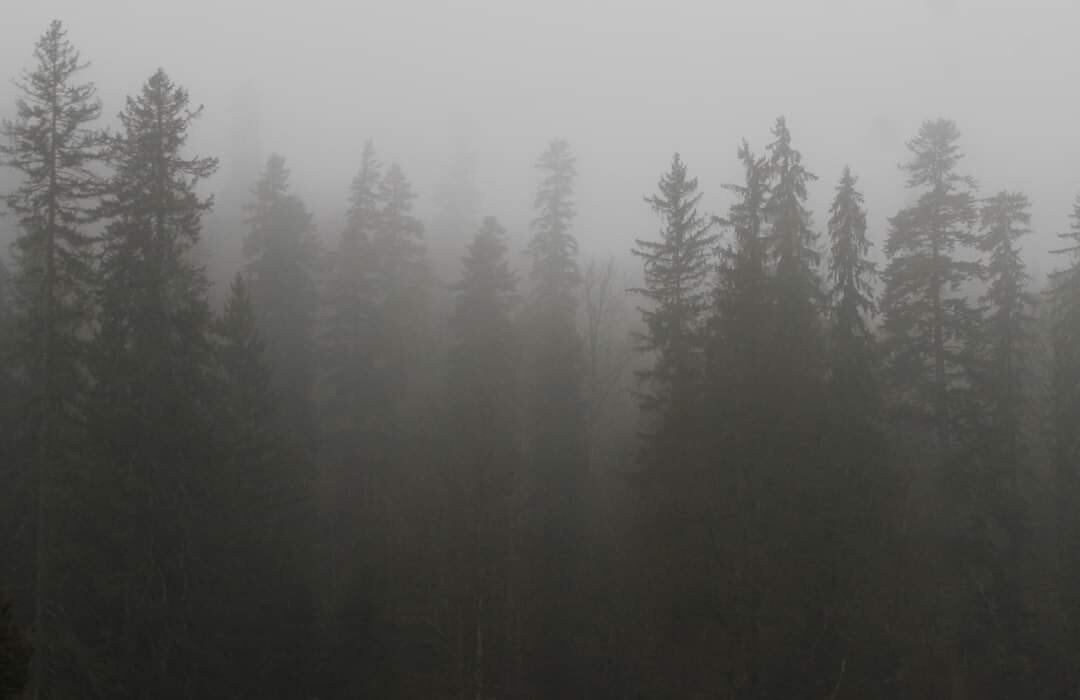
(496,349)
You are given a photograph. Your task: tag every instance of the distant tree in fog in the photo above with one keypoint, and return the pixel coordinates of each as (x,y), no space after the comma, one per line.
(282,254)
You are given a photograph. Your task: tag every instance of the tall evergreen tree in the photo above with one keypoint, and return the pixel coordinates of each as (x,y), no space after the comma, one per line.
(556,440)
(996,536)
(349,333)
(354,389)
(282,251)
(740,319)
(852,275)
(400,280)
(671,483)
(483,461)
(257,504)
(791,243)
(858,480)
(53,146)
(151,415)
(1005,218)
(928,322)
(676,271)
(553,247)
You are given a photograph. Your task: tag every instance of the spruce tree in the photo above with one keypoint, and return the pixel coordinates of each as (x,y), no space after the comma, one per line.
(1005,218)
(258,509)
(857,482)
(401,283)
(676,271)
(352,384)
(282,252)
(350,325)
(52,145)
(484,459)
(671,483)
(852,276)
(741,315)
(553,247)
(928,322)
(151,416)
(791,245)
(556,440)
(996,536)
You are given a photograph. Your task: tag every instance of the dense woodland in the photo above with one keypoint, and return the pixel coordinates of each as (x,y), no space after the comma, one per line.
(764,468)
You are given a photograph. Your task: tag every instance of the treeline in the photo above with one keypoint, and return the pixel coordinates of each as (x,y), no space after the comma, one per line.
(825,480)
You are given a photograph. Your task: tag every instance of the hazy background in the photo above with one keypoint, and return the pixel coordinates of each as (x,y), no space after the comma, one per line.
(626,82)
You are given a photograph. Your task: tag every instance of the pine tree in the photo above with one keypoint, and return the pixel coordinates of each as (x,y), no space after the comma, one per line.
(401,280)
(52,145)
(282,252)
(676,268)
(556,440)
(553,248)
(483,464)
(857,481)
(349,332)
(852,275)
(354,414)
(150,410)
(791,244)
(928,322)
(740,321)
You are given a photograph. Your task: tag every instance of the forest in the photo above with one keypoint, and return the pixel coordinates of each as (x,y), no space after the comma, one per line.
(757,463)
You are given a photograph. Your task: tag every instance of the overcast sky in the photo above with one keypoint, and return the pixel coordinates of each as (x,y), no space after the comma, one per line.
(626,82)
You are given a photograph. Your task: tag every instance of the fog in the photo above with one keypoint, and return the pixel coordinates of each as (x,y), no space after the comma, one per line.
(626,83)
(465,351)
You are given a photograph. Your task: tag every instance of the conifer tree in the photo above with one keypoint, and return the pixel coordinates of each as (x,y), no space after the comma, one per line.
(150,419)
(483,464)
(928,322)
(400,281)
(553,247)
(857,481)
(556,441)
(741,315)
(258,509)
(676,271)
(350,325)
(52,145)
(1005,218)
(282,251)
(996,536)
(852,275)
(791,244)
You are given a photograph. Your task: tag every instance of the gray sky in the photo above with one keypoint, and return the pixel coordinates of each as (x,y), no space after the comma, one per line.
(627,83)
